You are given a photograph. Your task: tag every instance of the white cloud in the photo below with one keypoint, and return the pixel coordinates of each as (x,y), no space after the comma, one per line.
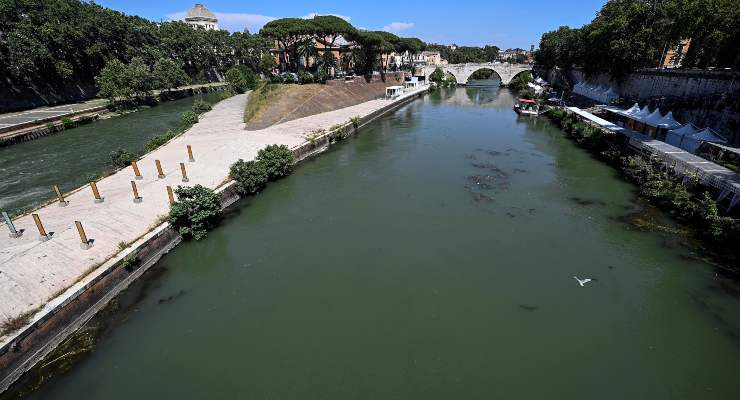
(398,26)
(234,22)
(314,14)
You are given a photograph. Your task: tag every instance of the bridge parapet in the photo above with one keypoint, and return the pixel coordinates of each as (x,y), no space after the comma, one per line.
(462,72)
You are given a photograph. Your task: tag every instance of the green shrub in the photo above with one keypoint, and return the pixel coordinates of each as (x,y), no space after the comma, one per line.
(189,119)
(197,211)
(121,158)
(130,263)
(68,123)
(277,159)
(200,106)
(250,176)
(304,77)
(240,78)
(159,140)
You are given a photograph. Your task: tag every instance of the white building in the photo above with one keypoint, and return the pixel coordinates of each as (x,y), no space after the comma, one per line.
(200,16)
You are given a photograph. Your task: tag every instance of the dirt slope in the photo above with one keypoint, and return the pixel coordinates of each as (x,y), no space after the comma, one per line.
(291,102)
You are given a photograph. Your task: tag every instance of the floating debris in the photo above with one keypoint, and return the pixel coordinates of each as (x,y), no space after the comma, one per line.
(170,298)
(528,308)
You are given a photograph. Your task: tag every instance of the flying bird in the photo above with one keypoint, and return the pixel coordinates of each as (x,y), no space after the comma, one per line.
(582,282)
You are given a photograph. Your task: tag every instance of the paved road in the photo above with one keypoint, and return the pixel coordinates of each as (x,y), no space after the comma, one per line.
(32,272)
(42,113)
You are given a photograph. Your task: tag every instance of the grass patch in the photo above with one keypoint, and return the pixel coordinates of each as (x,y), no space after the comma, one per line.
(13,324)
(260,96)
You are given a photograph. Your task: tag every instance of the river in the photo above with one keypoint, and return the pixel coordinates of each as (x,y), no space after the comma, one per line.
(431,257)
(29,170)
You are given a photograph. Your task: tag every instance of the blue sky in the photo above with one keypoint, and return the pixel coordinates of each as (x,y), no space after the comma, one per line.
(463,22)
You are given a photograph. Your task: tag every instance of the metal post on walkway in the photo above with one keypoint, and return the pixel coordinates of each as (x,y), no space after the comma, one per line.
(160,173)
(62,202)
(85,242)
(170,195)
(137,173)
(14,233)
(96,193)
(190,154)
(137,198)
(184,173)
(43,236)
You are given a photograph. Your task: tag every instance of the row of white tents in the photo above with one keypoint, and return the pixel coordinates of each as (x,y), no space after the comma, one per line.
(687,137)
(598,93)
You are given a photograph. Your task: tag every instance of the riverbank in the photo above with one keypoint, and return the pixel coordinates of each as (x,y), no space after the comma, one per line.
(55,297)
(419,258)
(686,199)
(32,124)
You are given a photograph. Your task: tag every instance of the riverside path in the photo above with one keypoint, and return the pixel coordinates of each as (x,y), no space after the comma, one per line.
(35,274)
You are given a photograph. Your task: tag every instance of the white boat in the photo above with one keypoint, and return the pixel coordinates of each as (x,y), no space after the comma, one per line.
(527,107)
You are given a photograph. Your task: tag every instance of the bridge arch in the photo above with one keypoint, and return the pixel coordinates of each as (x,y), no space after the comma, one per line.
(462,72)
(493,75)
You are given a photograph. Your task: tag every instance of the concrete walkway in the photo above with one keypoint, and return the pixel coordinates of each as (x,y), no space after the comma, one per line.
(16,120)
(33,272)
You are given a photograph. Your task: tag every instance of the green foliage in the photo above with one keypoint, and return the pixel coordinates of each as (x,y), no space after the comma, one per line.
(250,176)
(188,119)
(521,80)
(627,35)
(240,79)
(438,76)
(200,107)
(197,211)
(168,75)
(159,140)
(121,158)
(465,54)
(131,262)
(304,77)
(278,161)
(68,123)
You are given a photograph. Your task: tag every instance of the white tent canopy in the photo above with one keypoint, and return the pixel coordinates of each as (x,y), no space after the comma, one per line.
(653,118)
(669,122)
(676,137)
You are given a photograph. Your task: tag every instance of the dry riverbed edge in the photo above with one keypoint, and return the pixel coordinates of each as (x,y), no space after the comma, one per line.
(66,312)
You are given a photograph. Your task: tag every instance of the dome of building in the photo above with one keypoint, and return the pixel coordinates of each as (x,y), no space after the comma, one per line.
(199,16)
(200,13)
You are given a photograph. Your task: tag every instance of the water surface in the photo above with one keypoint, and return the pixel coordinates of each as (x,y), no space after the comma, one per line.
(432,257)
(29,170)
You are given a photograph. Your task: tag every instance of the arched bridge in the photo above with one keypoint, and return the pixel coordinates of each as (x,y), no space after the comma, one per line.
(462,72)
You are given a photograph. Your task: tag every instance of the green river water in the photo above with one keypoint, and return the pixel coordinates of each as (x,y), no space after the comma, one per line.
(29,170)
(431,257)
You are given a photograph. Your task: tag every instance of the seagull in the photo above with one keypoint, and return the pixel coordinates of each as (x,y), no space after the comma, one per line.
(582,282)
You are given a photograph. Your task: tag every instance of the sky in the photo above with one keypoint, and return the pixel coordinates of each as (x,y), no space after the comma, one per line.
(506,24)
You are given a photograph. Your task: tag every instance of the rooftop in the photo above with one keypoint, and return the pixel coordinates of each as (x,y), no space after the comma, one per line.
(200,12)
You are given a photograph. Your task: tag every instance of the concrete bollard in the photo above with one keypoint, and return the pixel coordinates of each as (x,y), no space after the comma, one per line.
(62,202)
(85,242)
(96,194)
(14,233)
(170,195)
(137,173)
(160,173)
(184,173)
(43,236)
(190,154)
(137,198)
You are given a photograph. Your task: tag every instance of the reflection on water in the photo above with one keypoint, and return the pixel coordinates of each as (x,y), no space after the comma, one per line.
(431,257)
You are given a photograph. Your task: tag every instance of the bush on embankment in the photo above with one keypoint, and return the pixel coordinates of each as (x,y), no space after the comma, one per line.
(689,202)
(196,211)
(272,163)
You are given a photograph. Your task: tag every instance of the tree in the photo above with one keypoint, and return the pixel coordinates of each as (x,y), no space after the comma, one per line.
(168,75)
(197,211)
(290,34)
(240,79)
(438,76)
(113,81)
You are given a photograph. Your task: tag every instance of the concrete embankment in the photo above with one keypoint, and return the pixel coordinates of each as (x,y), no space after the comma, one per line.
(89,283)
